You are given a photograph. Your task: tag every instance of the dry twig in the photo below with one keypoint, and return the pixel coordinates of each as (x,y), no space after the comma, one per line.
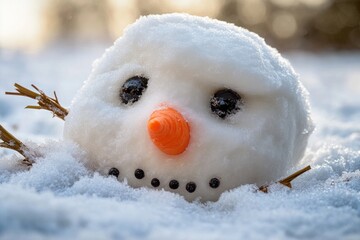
(287,181)
(44,102)
(11,142)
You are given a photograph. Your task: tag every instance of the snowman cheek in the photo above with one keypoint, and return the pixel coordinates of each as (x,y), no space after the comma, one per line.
(169,131)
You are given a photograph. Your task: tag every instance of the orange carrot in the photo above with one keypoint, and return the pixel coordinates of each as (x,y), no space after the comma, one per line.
(169,131)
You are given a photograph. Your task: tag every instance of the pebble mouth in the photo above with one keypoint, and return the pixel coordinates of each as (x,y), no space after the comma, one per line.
(173,184)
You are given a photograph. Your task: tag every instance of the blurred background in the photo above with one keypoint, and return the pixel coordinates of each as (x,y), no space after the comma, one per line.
(311,25)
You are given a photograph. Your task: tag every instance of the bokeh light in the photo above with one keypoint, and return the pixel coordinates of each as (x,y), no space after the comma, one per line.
(252,11)
(285,24)
(22,23)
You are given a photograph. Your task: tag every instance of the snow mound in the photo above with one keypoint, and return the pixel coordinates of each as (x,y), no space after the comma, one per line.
(186,61)
(60,199)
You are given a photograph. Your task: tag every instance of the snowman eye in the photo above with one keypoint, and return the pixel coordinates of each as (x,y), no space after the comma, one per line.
(132,89)
(225,102)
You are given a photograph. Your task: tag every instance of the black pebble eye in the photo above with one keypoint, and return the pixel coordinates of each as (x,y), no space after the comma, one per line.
(132,89)
(225,102)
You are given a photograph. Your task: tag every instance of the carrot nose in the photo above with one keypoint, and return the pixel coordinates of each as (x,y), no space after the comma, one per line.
(169,131)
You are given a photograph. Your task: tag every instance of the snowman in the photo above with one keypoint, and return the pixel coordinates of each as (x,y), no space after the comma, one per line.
(190,105)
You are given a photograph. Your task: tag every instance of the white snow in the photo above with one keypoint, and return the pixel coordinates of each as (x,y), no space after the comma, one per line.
(187,59)
(60,199)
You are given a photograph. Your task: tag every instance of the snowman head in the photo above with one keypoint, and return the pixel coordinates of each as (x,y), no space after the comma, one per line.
(191,105)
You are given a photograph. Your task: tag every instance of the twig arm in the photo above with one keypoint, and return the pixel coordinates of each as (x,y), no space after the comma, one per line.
(287,181)
(44,101)
(10,142)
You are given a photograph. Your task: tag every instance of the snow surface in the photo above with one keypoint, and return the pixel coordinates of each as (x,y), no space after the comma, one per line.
(60,199)
(193,59)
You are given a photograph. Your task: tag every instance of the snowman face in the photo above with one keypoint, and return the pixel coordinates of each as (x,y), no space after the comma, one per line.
(192,106)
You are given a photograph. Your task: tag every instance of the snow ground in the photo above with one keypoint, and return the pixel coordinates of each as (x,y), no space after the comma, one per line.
(60,199)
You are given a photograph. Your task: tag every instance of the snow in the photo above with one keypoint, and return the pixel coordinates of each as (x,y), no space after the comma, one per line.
(59,198)
(193,59)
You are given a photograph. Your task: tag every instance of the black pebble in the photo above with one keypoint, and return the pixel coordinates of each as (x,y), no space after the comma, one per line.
(191,187)
(173,184)
(114,172)
(214,183)
(139,173)
(132,89)
(155,182)
(225,102)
